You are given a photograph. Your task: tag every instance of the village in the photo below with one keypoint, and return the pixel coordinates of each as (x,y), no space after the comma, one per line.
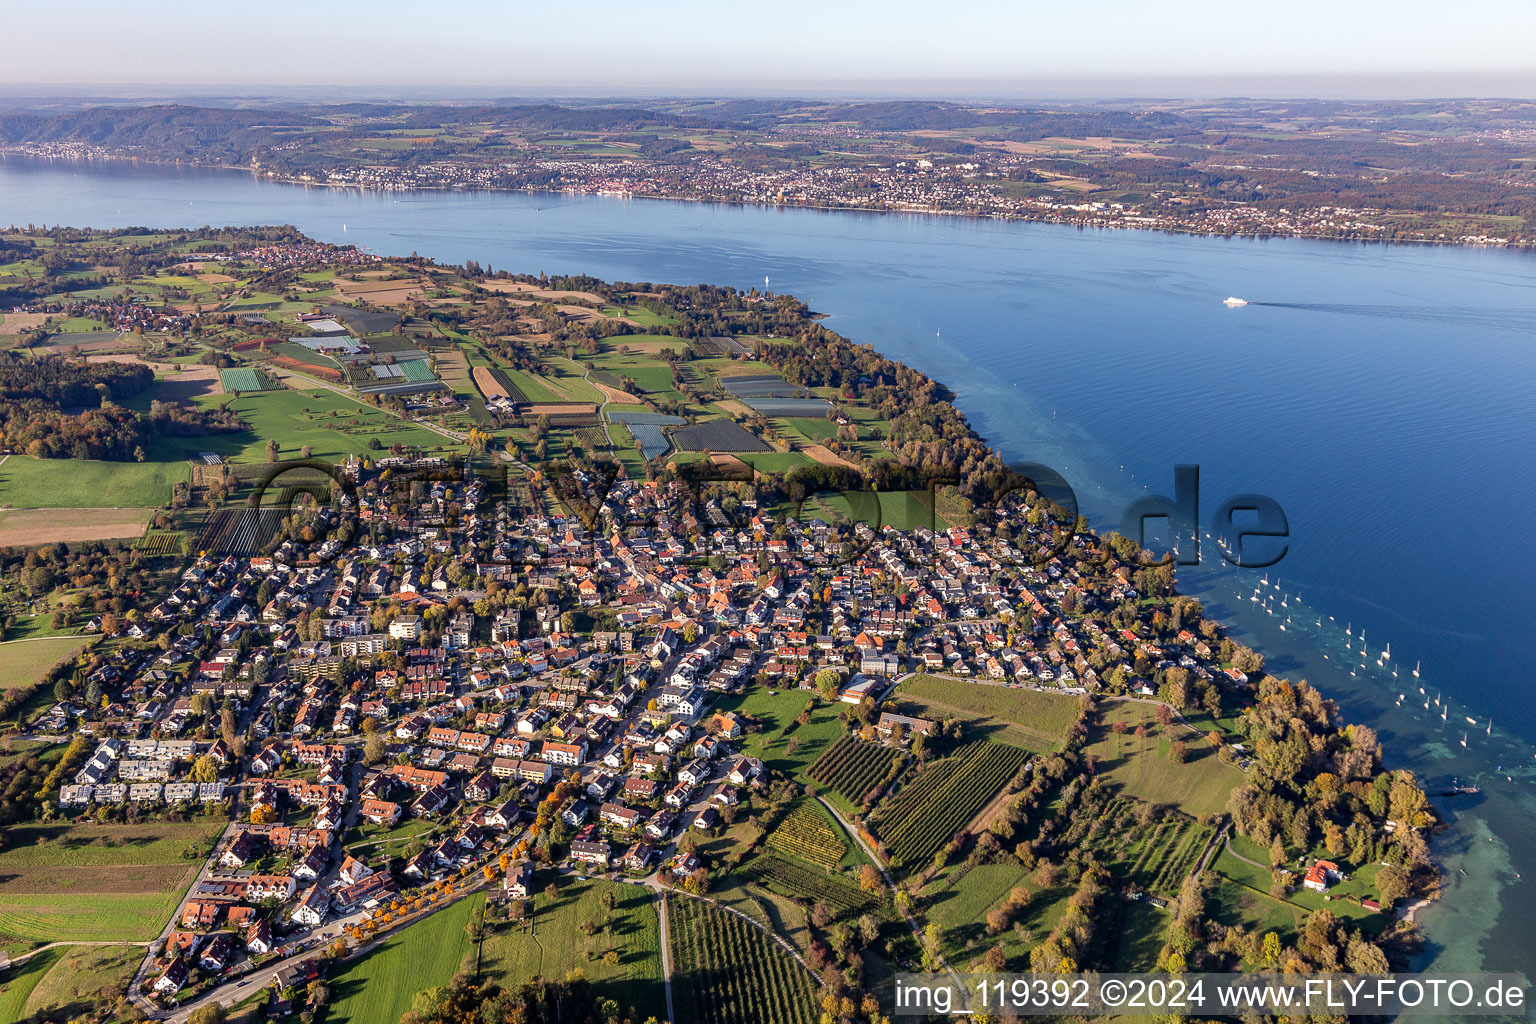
(376,694)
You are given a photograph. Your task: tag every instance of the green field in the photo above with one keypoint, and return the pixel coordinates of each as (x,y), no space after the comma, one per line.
(23,661)
(35,918)
(60,983)
(1031,719)
(552,942)
(84,483)
(332,425)
(1141,767)
(28,846)
(96,882)
(379,987)
(782,744)
(18,983)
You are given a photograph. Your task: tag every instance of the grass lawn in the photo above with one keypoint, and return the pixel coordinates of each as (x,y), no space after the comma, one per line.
(1142,769)
(1140,937)
(551,942)
(380,986)
(777,711)
(1024,718)
(23,661)
(80,977)
(18,983)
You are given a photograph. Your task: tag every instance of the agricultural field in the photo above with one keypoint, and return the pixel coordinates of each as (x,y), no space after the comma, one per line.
(852,767)
(20,527)
(940,800)
(808,833)
(1201,785)
(1031,719)
(333,425)
(23,661)
(1152,848)
(91,484)
(718,436)
(551,942)
(96,882)
(381,985)
(63,982)
(727,972)
(799,881)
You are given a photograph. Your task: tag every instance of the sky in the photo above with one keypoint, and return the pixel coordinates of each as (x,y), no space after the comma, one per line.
(894,47)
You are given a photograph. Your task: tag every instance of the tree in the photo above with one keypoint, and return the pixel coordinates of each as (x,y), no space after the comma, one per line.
(205,769)
(374,748)
(869,879)
(272,450)
(1391,884)
(828,682)
(213,1013)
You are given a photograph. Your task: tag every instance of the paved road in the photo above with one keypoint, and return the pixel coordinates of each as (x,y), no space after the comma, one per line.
(147,966)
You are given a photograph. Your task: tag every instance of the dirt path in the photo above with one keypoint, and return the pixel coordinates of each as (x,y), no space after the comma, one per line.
(917,932)
(1227,845)
(283,372)
(1219,840)
(666,951)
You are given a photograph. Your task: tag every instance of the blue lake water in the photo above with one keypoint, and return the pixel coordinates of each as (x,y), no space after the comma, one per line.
(1385,397)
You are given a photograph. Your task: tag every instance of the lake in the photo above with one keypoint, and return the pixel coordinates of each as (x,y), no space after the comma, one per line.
(1384,397)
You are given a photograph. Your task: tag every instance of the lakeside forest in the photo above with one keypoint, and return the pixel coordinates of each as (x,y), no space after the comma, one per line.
(1429,170)
(1071,765)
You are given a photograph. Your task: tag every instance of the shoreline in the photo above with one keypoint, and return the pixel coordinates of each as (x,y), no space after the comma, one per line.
(1527,245)
(991,445)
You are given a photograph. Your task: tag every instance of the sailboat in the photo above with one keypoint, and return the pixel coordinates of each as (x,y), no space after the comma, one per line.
(1386,655)
(1446,714)
(1437,701)
(1415,670)
(1490,727)
(1463,739)
(1347,630)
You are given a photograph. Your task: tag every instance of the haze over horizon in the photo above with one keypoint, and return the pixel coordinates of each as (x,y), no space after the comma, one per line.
(978,49)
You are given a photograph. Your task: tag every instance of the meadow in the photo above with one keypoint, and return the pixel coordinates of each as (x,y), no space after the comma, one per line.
(23,661)
(1142,768)
(381,985)
(1032,719)
(781,743)
(62,983)
(552,942)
